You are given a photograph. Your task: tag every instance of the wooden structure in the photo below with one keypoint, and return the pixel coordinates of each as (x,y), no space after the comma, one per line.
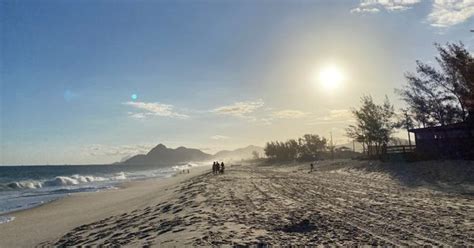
(400,149)
(398,152)
(454,141)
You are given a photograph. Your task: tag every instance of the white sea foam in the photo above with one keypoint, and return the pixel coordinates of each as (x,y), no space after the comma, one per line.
(119,176)
(30,184)
(185,166)
(64,181)
(6,219)
(26,193)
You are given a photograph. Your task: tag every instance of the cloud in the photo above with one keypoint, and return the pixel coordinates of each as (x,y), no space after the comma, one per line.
(365,10)
(153,109)
(239,109)
(444,13)
(289,114)
(374,6)
(219,137)
(265,121)
(334,116)
(447,13)
(340,114)
(122,150)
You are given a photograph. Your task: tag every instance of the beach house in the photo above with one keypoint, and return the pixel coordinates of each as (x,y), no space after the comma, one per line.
(453,141)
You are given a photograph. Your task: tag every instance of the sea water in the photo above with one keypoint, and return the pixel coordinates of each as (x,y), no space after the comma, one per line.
(23,187)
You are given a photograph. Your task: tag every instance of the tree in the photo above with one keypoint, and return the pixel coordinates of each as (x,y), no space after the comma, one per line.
(374,124)
(271,150)
(310,145)
(405,121)
(255,155)
(281,151)
(291,149)
(442,95)
(305,148)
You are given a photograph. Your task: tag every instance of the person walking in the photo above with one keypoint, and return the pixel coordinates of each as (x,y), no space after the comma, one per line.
(311,167)
(222,168)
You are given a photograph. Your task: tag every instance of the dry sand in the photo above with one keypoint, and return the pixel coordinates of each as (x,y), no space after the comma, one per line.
(338,204)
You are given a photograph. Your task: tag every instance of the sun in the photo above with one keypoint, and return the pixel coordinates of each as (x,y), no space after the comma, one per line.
(330,77)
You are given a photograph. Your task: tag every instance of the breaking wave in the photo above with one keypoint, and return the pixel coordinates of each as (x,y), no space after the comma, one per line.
(62,181)
(23,187)
(6,219)
(185,166)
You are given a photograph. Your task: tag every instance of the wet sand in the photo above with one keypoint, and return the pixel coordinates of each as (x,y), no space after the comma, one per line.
(249,205)
(48,222)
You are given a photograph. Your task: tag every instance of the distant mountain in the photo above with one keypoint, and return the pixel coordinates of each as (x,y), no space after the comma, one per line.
(161,155)
(238,154)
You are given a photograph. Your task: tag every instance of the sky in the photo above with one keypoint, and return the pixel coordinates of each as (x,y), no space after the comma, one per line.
(97,81)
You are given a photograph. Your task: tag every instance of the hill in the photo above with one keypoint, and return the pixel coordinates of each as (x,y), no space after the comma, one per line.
(238,154)
(161,155)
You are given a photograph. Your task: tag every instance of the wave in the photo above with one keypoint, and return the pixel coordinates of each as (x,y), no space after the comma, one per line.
(24,185)
(18,193)
(62,181)
(185,166)
(79,180)
(6,219)
(119,176)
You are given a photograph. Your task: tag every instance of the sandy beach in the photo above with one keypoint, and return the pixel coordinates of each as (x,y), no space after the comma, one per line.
(337,204)
(51,221)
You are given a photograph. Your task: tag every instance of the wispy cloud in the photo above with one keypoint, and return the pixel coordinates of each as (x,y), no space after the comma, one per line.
(447,13)
(373,6)
(220,137)
(149,109)
(340,114)
(239,109)
(333,116)
(365,10)
(444,13)
(121,150)
(289,114)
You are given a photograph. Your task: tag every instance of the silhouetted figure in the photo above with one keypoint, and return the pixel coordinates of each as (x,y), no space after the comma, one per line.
(222,168)
(214,167)
(312,167)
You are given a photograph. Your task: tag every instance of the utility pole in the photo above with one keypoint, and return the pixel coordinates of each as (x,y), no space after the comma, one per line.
(332,147)
(407,123)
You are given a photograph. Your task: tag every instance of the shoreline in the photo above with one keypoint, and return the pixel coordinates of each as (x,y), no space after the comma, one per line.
(117,185)
(49,221)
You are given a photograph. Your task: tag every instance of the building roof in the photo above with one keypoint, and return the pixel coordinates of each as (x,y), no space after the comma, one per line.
(454,126)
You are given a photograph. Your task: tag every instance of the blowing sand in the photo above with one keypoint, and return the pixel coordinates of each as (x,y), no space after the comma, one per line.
(248,205)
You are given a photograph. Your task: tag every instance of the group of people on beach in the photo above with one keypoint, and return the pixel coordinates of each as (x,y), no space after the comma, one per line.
(217,168)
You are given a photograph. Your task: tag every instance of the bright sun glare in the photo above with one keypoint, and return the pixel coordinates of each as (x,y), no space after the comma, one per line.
(331,77)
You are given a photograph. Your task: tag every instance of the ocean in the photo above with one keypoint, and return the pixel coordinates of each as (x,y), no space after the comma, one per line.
(23,187)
